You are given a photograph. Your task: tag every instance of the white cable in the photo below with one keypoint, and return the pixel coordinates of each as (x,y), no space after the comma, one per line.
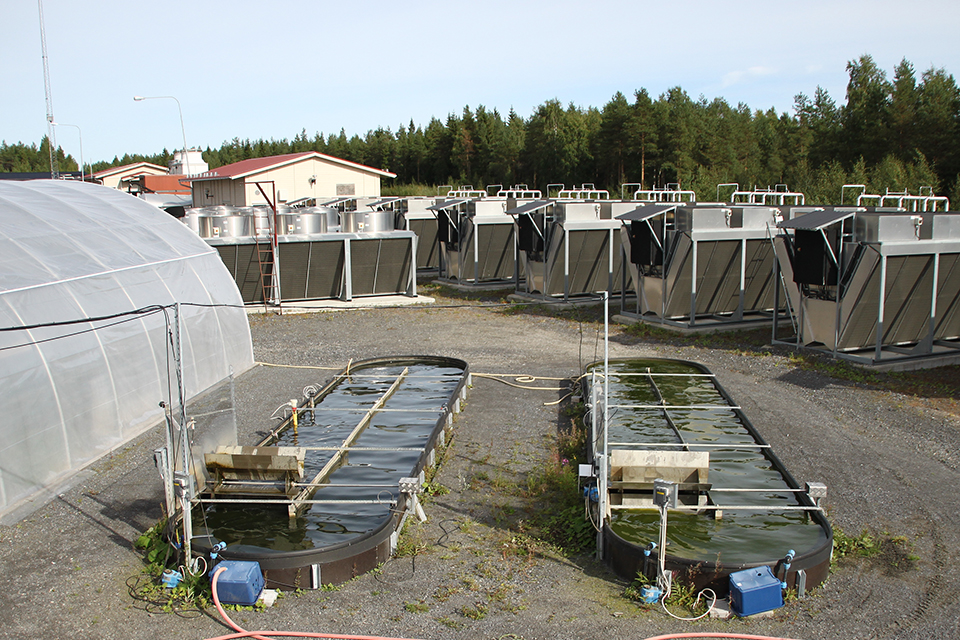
(274,416)
(663,603)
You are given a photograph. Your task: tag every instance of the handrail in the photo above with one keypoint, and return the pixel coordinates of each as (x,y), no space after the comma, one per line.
(735,185)
(760,196)
(665,195)
(639,185)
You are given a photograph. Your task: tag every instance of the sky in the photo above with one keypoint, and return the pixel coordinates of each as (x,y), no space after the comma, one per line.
(251,69)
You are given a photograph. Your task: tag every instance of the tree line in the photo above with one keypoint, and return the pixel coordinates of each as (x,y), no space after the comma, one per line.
(890,134)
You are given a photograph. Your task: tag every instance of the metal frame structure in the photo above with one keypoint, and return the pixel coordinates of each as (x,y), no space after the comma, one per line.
(572,235)
(731,283)
(412,214)
(872,287)
(477,240)
(628,558)
(337,563)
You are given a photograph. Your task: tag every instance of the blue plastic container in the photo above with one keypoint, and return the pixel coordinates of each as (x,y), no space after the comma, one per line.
(241,583)
(754,591)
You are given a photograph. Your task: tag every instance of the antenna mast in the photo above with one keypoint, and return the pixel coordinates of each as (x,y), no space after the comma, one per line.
(51,135)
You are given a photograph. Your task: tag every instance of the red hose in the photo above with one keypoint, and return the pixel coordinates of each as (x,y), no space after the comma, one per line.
(262,635)
(738,636)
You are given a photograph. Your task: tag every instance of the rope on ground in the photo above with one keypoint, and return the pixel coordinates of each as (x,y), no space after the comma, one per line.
(296,366)
(521,379)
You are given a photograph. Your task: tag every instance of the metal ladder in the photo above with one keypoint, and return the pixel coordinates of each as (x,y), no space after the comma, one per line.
(266,254)
(265,263)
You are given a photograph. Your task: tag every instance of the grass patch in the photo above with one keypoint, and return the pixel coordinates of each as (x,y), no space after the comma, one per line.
(450,623)
(894,553)
(556,483)
(411,542)
(191,595)
(477,612)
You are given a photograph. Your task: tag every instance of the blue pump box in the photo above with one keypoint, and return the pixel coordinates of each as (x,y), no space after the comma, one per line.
(754,591)
(241,583)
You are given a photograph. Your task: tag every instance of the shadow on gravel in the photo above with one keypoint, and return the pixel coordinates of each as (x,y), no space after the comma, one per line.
(108,515)
(806,380)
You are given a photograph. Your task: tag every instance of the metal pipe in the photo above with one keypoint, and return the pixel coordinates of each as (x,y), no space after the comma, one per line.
(708,407)
(628,184)
(80,134)
(735,185)
(719,507)
(709,445)
(186,157)
(882,303)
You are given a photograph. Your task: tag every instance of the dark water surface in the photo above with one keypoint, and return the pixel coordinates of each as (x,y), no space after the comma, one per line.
(407,421)
(739,536)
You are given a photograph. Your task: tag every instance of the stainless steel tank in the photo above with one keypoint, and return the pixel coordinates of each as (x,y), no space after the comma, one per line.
(303,221)
(261,219)
(191,218)
(225,222)
(366,221)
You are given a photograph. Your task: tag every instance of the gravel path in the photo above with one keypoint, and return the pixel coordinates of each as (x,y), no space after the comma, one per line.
(890,462)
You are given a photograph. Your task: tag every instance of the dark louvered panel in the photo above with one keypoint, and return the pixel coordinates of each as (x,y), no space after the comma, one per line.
(294,261)
(718,276)
(325,279)
(758,277)
(948,297)
(364,258)
(393,269)
(428,254)
(241,261)
(496,251)
(906,316)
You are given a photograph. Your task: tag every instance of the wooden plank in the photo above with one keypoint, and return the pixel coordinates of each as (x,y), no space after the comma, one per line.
(298,502)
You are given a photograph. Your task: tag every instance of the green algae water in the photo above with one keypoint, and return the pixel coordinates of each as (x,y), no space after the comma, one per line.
(701,415)
(388,449)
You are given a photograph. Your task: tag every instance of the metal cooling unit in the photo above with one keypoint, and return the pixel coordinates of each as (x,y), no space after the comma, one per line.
(316,264)
(873,286)
(412,214)
(476,239)
(695,265)
(568,247)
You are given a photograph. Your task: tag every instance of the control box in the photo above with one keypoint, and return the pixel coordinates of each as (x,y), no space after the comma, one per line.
(665,494)
(241,583)
(754,591)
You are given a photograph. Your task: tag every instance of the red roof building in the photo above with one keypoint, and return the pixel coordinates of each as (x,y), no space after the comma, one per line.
(288,177)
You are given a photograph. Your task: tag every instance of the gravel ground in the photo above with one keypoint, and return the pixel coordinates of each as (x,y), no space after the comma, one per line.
(890,462)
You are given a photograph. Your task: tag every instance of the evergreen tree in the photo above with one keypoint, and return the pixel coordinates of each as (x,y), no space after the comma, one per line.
(613,142)
(903,111)
(938,111)
(866,114)
(643,133)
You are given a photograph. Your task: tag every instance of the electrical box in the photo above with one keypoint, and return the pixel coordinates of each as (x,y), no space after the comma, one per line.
(754,591)
(241,583)
(665,494)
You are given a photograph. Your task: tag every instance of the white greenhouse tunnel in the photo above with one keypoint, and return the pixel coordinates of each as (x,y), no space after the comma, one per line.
(70,392)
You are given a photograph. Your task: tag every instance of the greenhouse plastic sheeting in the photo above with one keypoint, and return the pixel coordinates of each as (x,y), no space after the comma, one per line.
(70,392)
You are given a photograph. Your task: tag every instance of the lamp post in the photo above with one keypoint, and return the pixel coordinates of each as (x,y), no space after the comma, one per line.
(80,134)
(186,160)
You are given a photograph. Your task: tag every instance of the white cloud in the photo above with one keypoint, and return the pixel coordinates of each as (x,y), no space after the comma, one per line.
(736,77)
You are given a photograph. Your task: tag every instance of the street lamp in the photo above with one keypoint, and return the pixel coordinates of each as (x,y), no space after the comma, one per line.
(80,134)
(186,160)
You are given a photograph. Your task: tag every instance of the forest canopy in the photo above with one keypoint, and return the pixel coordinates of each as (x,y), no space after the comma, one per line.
(897,133)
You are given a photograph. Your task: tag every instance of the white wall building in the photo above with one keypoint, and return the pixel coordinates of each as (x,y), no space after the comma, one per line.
(193,166)
(292,176)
